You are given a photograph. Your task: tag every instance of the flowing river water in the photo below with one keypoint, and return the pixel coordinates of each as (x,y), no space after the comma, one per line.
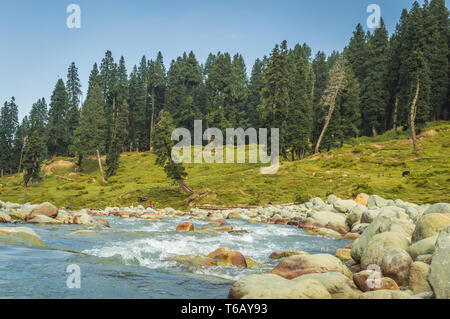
(134,259)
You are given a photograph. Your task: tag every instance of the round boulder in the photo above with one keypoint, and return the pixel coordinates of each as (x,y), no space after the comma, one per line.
(299,265)
(418,277)
(232,258)
(46,209)
(186,226)
(379,245)
(429,225)
(396,264)
(269,286)
(4,218)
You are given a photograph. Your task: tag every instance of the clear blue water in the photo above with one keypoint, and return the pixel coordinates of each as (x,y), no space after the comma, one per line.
(132,259)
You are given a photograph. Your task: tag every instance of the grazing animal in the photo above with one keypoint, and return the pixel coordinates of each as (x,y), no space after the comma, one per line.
(406,173)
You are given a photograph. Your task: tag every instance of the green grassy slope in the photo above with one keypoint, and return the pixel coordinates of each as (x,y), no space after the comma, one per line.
(371,165)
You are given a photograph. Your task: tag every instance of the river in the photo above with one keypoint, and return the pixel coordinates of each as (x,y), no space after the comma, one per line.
(134,259)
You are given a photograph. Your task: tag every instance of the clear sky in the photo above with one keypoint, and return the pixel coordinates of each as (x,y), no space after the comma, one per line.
(37,46)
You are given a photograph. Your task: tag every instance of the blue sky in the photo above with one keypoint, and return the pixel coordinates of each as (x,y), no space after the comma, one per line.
(37,47)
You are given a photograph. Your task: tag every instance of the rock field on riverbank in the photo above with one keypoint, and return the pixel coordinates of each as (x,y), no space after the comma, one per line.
(401,250)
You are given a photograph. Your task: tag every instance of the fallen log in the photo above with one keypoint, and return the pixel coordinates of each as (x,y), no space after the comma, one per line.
(211,207)
(65,178)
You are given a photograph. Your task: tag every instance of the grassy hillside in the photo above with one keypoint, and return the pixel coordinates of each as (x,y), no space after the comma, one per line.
(371,165)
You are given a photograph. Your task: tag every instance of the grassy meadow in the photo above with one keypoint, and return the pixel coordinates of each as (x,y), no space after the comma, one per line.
(373,165)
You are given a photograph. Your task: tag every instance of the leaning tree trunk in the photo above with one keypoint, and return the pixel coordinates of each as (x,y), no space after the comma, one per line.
(21,154)
(395,116)
(152,121)
(413,117)
(184,187)
(374,131)
(102,175)
(337,82)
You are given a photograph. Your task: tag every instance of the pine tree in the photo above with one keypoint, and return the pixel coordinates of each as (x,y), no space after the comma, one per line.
(39,116)
(23,132)
(254,94)
(436,52)
(349,107)
(221,111)
(320,69)
(157,78)
(357,53)
(8,136)
(73,86)
(118,139)
(58,134)
(239,91)
(275,93)
(90,134)
(413,57)
(32,158)
(375,96)
(94,78)
(108,78)
(163,149)
(299,121)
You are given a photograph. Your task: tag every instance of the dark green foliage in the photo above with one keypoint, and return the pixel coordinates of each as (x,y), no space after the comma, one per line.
(375,92)
(254,94)
(9,144)
(90,134)
(275,93)
(118,139)
(73,86)
(285,90)
(32,158)
(58,133)
(163,147)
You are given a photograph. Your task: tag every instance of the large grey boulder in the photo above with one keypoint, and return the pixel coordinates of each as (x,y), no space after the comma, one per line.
(46,209)
(380,225)
(423,247)
(439,276)
(325,217)
(269,286)
(20,235)
(354,215)
(430,225)
(42,219)
(343,206)
(418,274)
(381,244)
(439,208)
(376,201)
(369,215)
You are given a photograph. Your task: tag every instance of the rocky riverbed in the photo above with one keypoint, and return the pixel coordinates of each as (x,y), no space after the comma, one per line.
(367,247)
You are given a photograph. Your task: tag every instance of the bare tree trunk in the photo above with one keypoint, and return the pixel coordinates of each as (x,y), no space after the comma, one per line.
(152,123)
(79,162)
(395,116)
(413,117)
(21,154)
(374,130)
(100,166)
(2,173)
(184,187)
(336,83)
(327,122)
